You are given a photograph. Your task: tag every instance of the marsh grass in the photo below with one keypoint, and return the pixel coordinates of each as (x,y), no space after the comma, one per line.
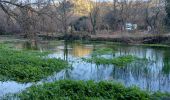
(97,58)
(80,90)
(27,66)
(103,51)
(119,61)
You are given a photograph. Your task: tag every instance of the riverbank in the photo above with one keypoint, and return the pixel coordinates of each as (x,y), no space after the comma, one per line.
(127,38)
(119,37)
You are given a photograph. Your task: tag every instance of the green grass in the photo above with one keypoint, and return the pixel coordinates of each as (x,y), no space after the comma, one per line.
(80,90)
(96,57)
(27,66)
(119,61)
(103,51)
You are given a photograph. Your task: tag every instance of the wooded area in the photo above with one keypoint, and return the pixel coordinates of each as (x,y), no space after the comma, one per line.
(83,16)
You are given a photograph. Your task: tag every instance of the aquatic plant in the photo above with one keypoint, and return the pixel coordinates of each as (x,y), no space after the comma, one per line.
(119,61)
(27,66)
(80,90)
(98,58)
(103,51)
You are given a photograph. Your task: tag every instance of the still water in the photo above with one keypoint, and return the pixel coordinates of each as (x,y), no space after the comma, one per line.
(152,76)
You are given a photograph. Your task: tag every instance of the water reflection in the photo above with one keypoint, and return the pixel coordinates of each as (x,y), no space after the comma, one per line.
(28,45)
(166,64)
(81,50)
(66,50)
(11,87)
(32,45)
(153,75)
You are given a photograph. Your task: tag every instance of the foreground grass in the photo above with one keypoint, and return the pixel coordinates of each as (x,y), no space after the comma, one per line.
(27,66)
(80,90)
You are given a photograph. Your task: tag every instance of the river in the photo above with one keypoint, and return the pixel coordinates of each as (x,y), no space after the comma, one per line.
(151,76)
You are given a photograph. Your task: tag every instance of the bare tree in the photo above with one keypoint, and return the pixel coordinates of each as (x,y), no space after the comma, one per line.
(63,13)
(47,16)
(24,12)
(94,15)
(154,16)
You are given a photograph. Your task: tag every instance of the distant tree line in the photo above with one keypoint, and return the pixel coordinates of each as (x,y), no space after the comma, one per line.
(68,16)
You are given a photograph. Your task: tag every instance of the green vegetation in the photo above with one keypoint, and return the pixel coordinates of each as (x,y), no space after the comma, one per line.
(27,66)
(103,51)
(119,61)
(96,57)
(80,90)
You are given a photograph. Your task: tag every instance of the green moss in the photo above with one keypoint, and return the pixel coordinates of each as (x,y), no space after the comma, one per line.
(119,61)
(27,66)
(80,90)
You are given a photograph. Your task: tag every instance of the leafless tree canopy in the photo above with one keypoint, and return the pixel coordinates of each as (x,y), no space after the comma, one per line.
(57,16)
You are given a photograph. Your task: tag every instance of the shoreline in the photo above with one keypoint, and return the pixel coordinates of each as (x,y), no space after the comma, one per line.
(162,40)
(152,39)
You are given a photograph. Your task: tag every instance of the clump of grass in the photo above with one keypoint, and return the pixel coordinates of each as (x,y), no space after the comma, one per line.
(103,51)
(119,61)
(27,66)
(97,58)
(80,90)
